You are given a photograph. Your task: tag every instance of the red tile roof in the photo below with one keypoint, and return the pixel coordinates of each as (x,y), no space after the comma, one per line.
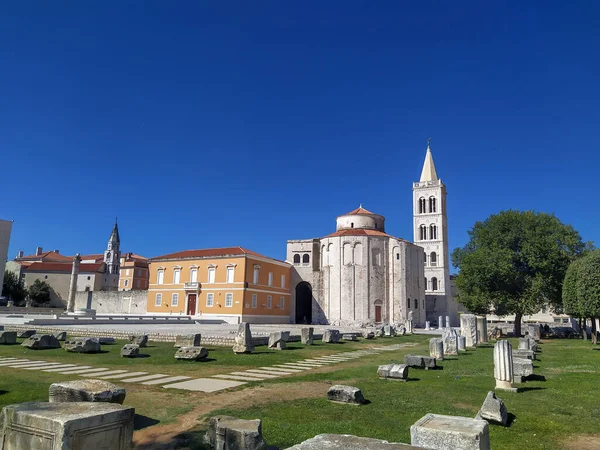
(98,257)
(359,210)
(61,267)
(358,232)
(209,252)
(46,256)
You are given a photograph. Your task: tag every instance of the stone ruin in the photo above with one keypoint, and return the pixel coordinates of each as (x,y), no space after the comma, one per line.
(278,339)
(8,337)
(41,342)
(420,362)
(345,394)
(393,372)
(450,340)
(130,351)
(86,391)
(82,345)
(243,339)
(461,343)
(229,433)
(306,335)
(349,442)
(331,336)
(522,368)
(27,333)
(61,336)
(468,329)
(436,348)
(435,431)
(140,340)
(503,366)
(493,410)
(188,340)
(192,353)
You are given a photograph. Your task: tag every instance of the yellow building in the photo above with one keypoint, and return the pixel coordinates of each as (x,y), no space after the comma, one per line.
(231,284)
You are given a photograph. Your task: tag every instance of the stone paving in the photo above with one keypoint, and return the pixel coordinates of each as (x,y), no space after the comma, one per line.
(211,384)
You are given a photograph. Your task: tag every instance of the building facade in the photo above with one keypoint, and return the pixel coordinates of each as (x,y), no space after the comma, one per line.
(5,229)
(225,284)
(358,275)
(133,272)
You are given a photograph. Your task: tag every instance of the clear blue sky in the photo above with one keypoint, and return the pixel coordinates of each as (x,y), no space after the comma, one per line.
(207,124)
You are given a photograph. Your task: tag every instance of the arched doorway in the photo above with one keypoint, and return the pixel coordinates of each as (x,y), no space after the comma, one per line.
(303,302)
(378,311)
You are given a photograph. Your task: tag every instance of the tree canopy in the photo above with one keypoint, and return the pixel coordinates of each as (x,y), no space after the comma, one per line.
(515,263)
(13,288)
(39,292)
(581,288)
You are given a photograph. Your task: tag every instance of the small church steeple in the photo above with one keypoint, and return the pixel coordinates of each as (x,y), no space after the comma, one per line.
(428,173)
(112,255)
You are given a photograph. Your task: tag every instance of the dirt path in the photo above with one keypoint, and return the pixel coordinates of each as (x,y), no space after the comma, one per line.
(172,436)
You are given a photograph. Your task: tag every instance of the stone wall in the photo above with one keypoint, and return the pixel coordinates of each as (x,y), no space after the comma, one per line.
(113,302)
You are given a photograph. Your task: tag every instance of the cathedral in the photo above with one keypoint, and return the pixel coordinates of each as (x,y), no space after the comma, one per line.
(359,275)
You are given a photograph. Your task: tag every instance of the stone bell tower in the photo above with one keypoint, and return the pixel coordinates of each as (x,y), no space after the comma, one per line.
(112,259)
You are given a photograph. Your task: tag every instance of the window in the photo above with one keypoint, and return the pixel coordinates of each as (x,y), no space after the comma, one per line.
(416,303)
(305,258)
(422,204)
(269,301)
(432,232)
(210,300)
(174,299)
(424,258)
(408,303)
(127,272)
(398,256)
(89,278)
(432,207)
(254,300)
(228,300)
(434,284)
(161,276)
(351,224)
(423,232)
(426,287)
(211,274)
(126,283)
(296,258)
(230,274)
(256,271)
(158,301)
(423,304)
(270,278)
(176,276)
(433,259)
(282,281)
(282,303)
(194,275)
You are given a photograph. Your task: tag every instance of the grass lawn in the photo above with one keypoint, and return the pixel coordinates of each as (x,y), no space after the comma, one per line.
(553,411)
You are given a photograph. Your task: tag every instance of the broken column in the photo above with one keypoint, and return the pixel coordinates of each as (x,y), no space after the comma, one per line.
(436,348)
(503,365)
(468,329)
(440,322)
(73,283)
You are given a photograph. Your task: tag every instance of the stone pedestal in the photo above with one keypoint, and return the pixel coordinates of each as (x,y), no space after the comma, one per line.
(436,348)
(86,391)
(225,432)
(67,426)
(349,442)
(468,329)
(482,328)
(409,326)
(306,335)
(437,432)
(420,362)
(524,344)
(188,340)
(522,368)
(503,366)
(448,322)
(427,325)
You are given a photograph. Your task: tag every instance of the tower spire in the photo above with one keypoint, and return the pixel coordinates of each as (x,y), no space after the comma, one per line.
(428,173)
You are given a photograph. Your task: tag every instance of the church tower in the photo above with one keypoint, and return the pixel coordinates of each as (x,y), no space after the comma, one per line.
(430,223)
(112,258)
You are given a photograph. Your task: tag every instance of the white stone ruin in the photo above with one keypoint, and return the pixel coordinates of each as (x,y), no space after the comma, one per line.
(503,366)
(468,329)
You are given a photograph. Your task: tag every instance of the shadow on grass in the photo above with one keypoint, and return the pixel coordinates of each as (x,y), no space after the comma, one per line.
(510,419)
(525,389)
(464,353)
(413,379)
(450,359)
(2,392)
(140,422)
(485,346)
(535,377)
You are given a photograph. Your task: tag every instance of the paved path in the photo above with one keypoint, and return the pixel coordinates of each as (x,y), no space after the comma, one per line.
(211,384)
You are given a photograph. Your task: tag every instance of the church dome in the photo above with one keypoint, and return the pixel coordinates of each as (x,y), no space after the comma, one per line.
(361,219)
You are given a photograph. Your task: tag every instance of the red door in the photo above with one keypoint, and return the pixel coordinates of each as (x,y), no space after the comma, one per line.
(377,313)
(191,309)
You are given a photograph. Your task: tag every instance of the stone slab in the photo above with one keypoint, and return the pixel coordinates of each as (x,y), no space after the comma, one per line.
(78,371)
(439,432)
(121,375)
(281,370)
(292,367)
(250,374)
(25,361)
(349,442)
(110,372)
(142,378)
(238,378)
(58,369)
(62,366)
(12,361)
(204,385)
(44,365)
(166,380)
(266,372)
(86,391)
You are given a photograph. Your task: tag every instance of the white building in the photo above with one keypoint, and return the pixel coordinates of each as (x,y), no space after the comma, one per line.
(358,275)
(5,229)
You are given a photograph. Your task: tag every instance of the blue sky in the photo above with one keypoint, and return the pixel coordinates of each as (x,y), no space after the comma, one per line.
(207,124)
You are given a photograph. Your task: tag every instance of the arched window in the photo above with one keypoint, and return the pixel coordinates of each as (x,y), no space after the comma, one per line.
(433,259)
(408,303)
(422,204)
(426,283)
(351,224)
(424,258)
(375,225)
(296,258)
(305,258)
(434,284)
(397,255)
(432,207)
(416,303)
(432,232)
(423,229)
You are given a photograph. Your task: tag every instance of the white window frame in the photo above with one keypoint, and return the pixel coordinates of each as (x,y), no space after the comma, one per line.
(160,277)
(230,274)
(212,270)
(194,275)
(158,300)
(283,280)
(282,303)
(210,300)
(176,276)
(269,302)
(270,279)
(254,300)
(229,299)
(256,274)
(174,299)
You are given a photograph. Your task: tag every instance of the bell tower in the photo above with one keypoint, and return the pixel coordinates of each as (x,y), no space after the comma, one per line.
(112,259)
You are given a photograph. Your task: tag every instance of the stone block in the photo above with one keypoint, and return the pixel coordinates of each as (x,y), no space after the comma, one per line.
(8,337)
(188,340)
(522,368)
(243,339)
(468,329)
(493,410)
(438,432)
(349,337)
(393,372)
(389,330)
(192,353)
(420,362)
(26,333)
(450,340)
(369,334)
(524,344)
(436,348)
(67,426)
(462,343)
(348,442)
(345,394)
(41,342)
(331,336)
(278,339)
(141,340)
(503,365)
(86,391)
(535,331)
(130,350)
(306,335)
(230,433)
(106,340)
(82,345)
(529,354)
(482,333)
(61,336)
(533,345)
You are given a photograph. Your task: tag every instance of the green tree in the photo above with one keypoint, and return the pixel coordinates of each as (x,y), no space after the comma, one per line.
(13,288)
(515,263)
(581,289)
(39,292)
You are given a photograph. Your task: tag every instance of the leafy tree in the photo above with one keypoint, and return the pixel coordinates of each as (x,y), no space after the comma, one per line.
(13,288)
(39,292)
(581,289)
(515,263)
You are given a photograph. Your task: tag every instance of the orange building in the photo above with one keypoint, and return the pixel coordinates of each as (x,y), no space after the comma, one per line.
(133,272)
(230,284)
